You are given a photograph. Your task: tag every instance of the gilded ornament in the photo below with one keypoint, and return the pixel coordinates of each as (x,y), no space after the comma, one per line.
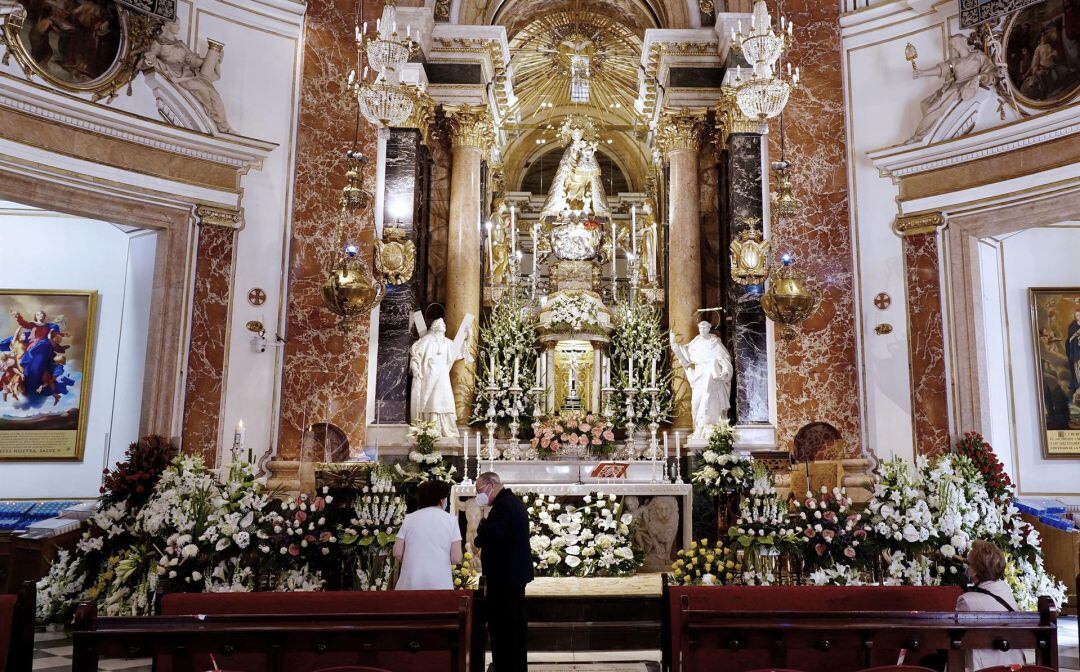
(914,225)
(730,119)
(680,129)
(349,291)
(207,215)
(395,257)
(470,126)
(789,300)
(750,255)
(354,197)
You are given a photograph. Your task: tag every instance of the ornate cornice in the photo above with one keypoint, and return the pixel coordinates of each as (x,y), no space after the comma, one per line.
(207,215)
(680,129)
(920,224)
(470,126)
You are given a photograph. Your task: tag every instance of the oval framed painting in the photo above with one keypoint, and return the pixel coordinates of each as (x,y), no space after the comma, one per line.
(1042,50)
(78,45)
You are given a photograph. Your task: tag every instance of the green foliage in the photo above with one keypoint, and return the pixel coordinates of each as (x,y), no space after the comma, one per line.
(639,335)
(508,333)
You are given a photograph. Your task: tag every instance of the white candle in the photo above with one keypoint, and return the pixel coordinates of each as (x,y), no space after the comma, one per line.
(491,369)
(631,382)
(633,229)
(666,443)
(478,453)
(652,378)
(513,231)
(240,434)
(515,370)
(678,444)
(535,250)
(614,272)
(465,447)
(490,257)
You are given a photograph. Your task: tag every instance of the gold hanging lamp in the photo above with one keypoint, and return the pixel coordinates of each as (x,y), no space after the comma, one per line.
(789,299)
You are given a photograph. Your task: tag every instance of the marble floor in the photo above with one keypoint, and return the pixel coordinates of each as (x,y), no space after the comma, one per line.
(53,652)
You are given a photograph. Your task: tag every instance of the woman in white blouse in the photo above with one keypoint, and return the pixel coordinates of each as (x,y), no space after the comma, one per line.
(988,592)
(429,542)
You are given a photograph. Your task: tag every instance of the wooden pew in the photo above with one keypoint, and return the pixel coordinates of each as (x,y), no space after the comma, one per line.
(17,629)
(287,632)
(743,627)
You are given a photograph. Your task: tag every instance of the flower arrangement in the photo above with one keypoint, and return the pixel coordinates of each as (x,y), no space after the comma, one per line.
(583,432)
(639,335)
(832,535)
(300,531)
(426,462)
(704,565)
(592,538)
(133,480)
(378,514)
(573,313)
(724,471)
(974,447)
(507,335)
(763,530)
(465,576)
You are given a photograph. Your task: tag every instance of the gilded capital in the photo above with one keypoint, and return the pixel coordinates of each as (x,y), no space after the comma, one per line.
(423,117)
(916,225)
(730,119)
(209,215)
(680,128)
(470,126)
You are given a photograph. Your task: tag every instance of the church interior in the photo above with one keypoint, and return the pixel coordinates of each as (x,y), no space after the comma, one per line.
(711,334)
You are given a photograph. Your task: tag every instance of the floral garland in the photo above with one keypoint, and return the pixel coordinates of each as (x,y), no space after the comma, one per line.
(574,313)
(638,335)
(724,470)
(589,432)
(588,539)
(507,335)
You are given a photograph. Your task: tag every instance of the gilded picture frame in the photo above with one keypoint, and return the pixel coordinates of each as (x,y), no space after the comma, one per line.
(1040,72)
(47,342)
(71,56)
(1055,328)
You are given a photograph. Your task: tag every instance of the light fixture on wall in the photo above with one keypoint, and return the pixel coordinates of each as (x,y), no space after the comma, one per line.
(763,93)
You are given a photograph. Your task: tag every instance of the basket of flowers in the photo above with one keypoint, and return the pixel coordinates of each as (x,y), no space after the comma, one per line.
(574,435)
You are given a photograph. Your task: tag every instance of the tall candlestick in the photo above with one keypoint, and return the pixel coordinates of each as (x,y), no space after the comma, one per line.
(513,231)
(665,459)
(478,453)
(465,455)
(633,229)
(490,256)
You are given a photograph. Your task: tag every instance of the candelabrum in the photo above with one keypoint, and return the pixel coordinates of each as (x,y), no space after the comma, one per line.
(491,453)
(653,453)
(513,451)
(631,426)
(634,265)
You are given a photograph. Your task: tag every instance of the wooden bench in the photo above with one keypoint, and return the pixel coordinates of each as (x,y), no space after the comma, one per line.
(287,632)
(17,630)
(833,628)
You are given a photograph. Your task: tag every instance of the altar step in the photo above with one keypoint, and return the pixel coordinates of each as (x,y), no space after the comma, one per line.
(593,623)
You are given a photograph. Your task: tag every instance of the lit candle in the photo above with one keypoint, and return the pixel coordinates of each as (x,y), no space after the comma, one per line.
(678,454)
(465,455)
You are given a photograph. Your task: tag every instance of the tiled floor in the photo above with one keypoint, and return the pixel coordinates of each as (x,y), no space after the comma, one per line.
(53,652)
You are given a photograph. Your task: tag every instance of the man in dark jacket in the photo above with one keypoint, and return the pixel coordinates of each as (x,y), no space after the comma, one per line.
(503,539)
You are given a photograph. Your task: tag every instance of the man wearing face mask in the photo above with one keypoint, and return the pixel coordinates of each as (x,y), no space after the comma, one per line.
(503,539)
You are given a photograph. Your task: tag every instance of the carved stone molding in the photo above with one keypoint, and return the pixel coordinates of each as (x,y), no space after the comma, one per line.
(920,224)
(207,215)
(680,129)
(470,126)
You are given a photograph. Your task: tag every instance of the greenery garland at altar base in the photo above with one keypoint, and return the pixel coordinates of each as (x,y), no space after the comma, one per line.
(638,336)
(509,332)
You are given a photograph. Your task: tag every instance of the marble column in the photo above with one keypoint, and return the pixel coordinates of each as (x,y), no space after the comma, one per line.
(470,136)
(211,305)
(926,337)
(401,196)
(678,136)
(750,343)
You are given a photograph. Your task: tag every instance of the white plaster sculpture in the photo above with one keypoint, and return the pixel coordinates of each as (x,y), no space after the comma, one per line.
(708,370)
(657,525)
(430,359)
(649,242)
(965,73)
(169,55)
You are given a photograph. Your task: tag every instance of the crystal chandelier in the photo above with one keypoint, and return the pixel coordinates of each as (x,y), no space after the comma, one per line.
(764,92)
(384,101)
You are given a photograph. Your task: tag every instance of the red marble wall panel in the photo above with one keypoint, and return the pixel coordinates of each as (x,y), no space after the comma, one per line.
(209,334)
(325,371)
(926,345)
(816,373)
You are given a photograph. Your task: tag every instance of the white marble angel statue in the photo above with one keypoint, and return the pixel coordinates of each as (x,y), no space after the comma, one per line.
(963,73)
(708,370)
(430,359)
(195,74)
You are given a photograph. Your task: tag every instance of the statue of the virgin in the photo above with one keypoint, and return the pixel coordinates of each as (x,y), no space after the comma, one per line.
(577,186)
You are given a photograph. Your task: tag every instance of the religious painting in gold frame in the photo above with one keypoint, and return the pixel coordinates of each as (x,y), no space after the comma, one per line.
(1040,43)
(81,46)
(1055,319)
(46,357)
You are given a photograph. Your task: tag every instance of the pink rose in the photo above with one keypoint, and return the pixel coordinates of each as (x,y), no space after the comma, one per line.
(301,516)
(585,427)
(828,534)
(609,435)
(546,442)
(809,533)
(830,516)
(324,537)
(596,442)
(849,552)
(564,437)
(820,549)
(294,550)
(860,534)
(589,417)
(319,504)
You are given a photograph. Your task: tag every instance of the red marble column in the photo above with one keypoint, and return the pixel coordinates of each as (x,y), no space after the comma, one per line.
(325,371)
(209,337)
(926,337)
(816,373)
